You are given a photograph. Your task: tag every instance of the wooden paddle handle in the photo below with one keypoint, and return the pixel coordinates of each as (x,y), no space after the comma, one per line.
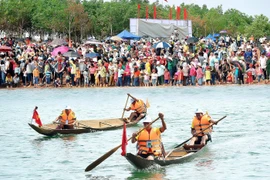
(125,107)
(132,96)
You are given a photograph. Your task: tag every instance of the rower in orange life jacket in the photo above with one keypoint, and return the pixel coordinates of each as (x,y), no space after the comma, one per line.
(200,122)
(139,108)
(149,143)
(67,119)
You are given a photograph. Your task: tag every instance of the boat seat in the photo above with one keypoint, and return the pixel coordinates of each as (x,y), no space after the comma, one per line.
(178,154)
(193,147)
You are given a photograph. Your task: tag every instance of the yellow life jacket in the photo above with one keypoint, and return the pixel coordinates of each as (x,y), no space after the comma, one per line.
(68,117)
(149,142)
(199,125)
(139,106)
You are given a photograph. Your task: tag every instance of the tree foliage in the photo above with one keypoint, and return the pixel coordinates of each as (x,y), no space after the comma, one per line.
(99,18)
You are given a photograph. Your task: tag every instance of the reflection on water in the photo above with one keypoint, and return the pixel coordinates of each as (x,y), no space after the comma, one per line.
(149,174)
(206,163)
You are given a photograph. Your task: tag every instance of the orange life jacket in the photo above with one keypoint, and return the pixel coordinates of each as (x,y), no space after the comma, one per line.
(68,117)
(149,142)
(199,125)
(139,106)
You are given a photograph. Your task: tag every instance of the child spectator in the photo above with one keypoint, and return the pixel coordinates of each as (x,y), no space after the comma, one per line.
(259,72)
(77,77)
(16,80)
(86,78)
(146,78)
(9,80)
(36,76)
(180,77)
(250,73)
(154,77)
(57,83)
(230,77)
(67,77)
(208,75)
(175,77)
(48,74)
(166,77)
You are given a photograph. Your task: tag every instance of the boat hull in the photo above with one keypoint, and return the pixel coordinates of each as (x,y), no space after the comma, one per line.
(176,156)
(84,126)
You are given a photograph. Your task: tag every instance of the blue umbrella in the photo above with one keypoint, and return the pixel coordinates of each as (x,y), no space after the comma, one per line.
(161,45)
(92,55)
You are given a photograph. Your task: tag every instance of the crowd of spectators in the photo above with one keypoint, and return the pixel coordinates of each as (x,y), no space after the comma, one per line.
(224,60)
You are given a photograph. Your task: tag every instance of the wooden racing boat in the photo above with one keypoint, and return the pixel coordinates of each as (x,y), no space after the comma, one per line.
(176,156)
(83,126)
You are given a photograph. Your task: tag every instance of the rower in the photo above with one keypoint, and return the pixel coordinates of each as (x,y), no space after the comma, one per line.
(149,140)
(67,119)
(139,108)
(200,122)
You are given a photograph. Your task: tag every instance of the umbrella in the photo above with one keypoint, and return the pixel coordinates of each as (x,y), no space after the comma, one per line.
(223,32)
(92,55)
(161,45)
(5,48)
(93,41)
(192,40)
(71,54)
(116,38)
(58,42)
(216,35)
(61,49)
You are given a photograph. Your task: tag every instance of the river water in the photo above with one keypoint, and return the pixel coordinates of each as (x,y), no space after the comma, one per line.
(240,147)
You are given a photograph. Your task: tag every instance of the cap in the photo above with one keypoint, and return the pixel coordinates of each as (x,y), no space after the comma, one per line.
(197,111)
(68,107)
(147,119)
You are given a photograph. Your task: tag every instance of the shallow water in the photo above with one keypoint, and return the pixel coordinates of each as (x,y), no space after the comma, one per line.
(239,149)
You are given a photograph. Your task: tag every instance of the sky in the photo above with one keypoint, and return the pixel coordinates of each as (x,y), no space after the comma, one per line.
(249,7)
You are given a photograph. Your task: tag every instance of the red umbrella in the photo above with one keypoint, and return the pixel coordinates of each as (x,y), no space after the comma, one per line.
(5,48)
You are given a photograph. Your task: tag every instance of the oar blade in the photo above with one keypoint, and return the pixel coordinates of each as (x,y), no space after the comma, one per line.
(101,159)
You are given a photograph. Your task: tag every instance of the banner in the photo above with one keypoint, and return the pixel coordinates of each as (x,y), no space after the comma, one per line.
(146,12)
(185,14)
(138,11)
(178,11)
(155,12)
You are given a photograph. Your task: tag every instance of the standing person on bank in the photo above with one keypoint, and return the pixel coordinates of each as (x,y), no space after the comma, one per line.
(149,141)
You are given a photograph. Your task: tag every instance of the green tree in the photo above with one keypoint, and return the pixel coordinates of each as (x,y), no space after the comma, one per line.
(259,27)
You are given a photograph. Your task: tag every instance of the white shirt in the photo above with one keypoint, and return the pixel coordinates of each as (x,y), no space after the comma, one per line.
(120,72)
(160,70)
(263,61)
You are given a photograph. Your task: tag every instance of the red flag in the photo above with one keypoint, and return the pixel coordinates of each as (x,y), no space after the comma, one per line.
(178,13)
(36,117)
(138,13)
(166,0)
(124,141)
(146,12)
(170,13)
(155,12)
(185,14)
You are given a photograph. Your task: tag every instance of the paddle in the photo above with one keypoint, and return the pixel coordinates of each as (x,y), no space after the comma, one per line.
(109,153)
(193,136)
(125,107)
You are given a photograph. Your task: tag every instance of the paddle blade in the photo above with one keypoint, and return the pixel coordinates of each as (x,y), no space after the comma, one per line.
(101,159)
